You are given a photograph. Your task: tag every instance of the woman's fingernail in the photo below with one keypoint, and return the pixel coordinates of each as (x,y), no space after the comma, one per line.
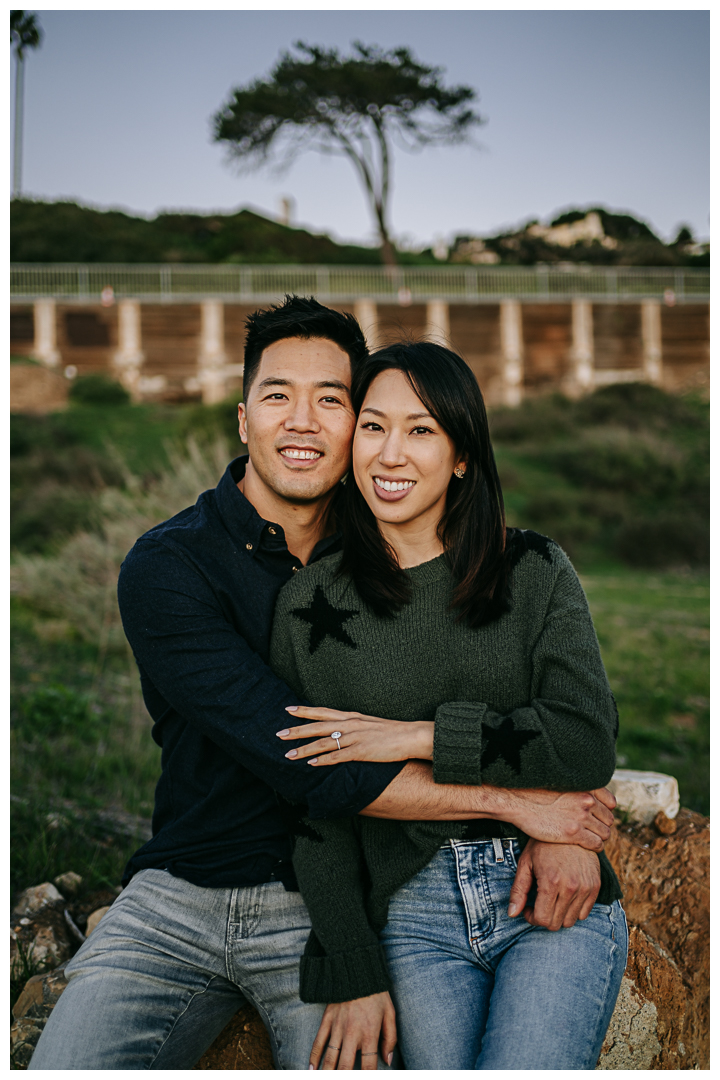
(390,1058)
(293,708)
(512,910)
(311,1068)
(281,734)
(312,761)
(291,753)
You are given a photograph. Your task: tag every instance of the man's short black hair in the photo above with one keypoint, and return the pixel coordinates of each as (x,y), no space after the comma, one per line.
(304,317)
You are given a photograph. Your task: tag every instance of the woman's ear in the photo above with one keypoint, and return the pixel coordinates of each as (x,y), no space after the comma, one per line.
(460,469)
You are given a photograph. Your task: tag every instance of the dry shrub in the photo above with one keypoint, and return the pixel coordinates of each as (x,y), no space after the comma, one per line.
(78,583)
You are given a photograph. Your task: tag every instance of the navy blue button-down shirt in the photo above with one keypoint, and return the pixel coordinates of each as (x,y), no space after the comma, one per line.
(196,596)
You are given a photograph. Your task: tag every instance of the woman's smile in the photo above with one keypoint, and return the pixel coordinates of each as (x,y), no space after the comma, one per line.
(392,490)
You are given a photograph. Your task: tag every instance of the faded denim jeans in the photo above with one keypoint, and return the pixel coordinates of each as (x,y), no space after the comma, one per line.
(475,989)
(169,966)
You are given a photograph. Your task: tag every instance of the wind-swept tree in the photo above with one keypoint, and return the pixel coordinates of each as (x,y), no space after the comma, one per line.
(358,106)
(25,33)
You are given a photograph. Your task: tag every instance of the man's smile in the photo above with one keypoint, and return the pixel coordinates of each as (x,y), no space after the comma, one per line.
(300,455)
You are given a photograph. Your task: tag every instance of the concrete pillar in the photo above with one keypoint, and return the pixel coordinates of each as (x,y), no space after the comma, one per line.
(45,345)
(212,360)
(511,343)
(129,357)
(583,348)
(366,315)
(437,327)
(652,341)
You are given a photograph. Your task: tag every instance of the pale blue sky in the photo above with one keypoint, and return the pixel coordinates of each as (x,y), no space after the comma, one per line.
(583,107)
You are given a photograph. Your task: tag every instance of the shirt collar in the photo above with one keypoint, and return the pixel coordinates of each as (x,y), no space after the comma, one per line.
(242,520)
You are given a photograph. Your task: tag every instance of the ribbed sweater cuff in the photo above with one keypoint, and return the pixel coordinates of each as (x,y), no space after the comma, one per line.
(344,976)
(457,743)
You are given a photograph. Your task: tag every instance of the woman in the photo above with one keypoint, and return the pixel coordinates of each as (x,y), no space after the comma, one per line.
(479,643)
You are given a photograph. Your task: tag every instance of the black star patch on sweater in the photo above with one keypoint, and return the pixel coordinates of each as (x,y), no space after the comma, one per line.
(506,743)
(325,621)
(524,540)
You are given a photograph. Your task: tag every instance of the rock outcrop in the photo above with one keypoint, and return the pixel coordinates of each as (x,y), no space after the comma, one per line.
(662,1019)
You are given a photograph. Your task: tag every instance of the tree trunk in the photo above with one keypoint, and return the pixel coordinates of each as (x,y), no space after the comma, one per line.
(389,255)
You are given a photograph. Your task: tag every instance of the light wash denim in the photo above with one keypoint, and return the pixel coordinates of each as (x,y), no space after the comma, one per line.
(169,966)
(475,989)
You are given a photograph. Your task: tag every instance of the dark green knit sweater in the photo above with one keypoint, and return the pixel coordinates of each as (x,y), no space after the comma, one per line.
(522,702)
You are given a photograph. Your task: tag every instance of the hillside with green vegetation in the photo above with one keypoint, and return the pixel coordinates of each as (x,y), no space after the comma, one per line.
(619,479)
(51,232)
(66,232)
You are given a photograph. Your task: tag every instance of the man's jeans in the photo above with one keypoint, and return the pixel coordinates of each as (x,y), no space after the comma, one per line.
(169,966)
(475,989)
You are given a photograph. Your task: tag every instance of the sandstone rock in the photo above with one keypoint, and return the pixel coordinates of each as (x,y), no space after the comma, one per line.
(30,1014)
(32,900)
(243,1044)
(651,1024)
(641,795)
(666,893)
(666,889)
(69,883)
(94,919)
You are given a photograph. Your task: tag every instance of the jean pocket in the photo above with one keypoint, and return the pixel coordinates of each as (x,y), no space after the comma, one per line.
(602,909)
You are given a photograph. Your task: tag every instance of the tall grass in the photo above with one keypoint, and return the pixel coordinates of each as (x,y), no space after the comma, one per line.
(80,734)
(76,586)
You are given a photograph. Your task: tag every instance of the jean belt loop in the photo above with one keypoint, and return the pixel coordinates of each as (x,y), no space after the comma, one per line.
(498,848)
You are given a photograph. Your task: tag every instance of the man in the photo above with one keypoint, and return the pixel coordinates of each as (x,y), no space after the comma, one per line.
(210,913)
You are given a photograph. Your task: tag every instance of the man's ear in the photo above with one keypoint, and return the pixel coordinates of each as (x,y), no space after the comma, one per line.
(242,422)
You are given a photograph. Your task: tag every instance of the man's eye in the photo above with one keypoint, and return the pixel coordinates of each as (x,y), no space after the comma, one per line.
(276,397)
(332,400)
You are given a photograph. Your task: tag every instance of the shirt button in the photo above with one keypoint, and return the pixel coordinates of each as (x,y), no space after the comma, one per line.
(271,530)
(295,569)
(249,547)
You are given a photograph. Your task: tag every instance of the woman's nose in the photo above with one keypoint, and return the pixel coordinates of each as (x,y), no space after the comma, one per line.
(392,452)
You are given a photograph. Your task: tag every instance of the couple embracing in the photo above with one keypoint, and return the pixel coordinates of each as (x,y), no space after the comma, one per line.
(385,730)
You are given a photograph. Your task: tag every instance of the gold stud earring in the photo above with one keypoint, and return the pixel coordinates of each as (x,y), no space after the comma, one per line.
(459,473)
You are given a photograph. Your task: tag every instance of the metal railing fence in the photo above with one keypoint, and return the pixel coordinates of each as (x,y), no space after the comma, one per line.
(175,283)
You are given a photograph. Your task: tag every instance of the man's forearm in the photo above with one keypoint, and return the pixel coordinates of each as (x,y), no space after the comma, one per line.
(571,817)
(414,796)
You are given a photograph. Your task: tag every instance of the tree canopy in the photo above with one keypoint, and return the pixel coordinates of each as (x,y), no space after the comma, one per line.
(357,106)
(25,32)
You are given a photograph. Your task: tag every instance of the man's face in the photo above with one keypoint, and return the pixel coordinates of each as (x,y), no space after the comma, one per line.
(297,419)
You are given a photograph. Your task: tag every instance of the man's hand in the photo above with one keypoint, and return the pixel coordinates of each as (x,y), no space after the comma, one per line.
(568,882)
(564,817)
(352,1026)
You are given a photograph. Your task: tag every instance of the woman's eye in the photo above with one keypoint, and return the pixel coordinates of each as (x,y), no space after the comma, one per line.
(370,425)
(421,431)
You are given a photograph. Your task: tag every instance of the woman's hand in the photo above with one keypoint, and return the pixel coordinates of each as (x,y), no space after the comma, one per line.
(362,738)
(366,1025)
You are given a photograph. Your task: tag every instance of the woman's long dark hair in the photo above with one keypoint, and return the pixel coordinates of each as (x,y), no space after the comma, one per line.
(472,529)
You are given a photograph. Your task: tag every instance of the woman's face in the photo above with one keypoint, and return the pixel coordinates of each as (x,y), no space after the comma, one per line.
(402,459)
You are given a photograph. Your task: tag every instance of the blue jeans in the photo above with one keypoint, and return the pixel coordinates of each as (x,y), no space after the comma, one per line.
(170,965)
(475,989)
